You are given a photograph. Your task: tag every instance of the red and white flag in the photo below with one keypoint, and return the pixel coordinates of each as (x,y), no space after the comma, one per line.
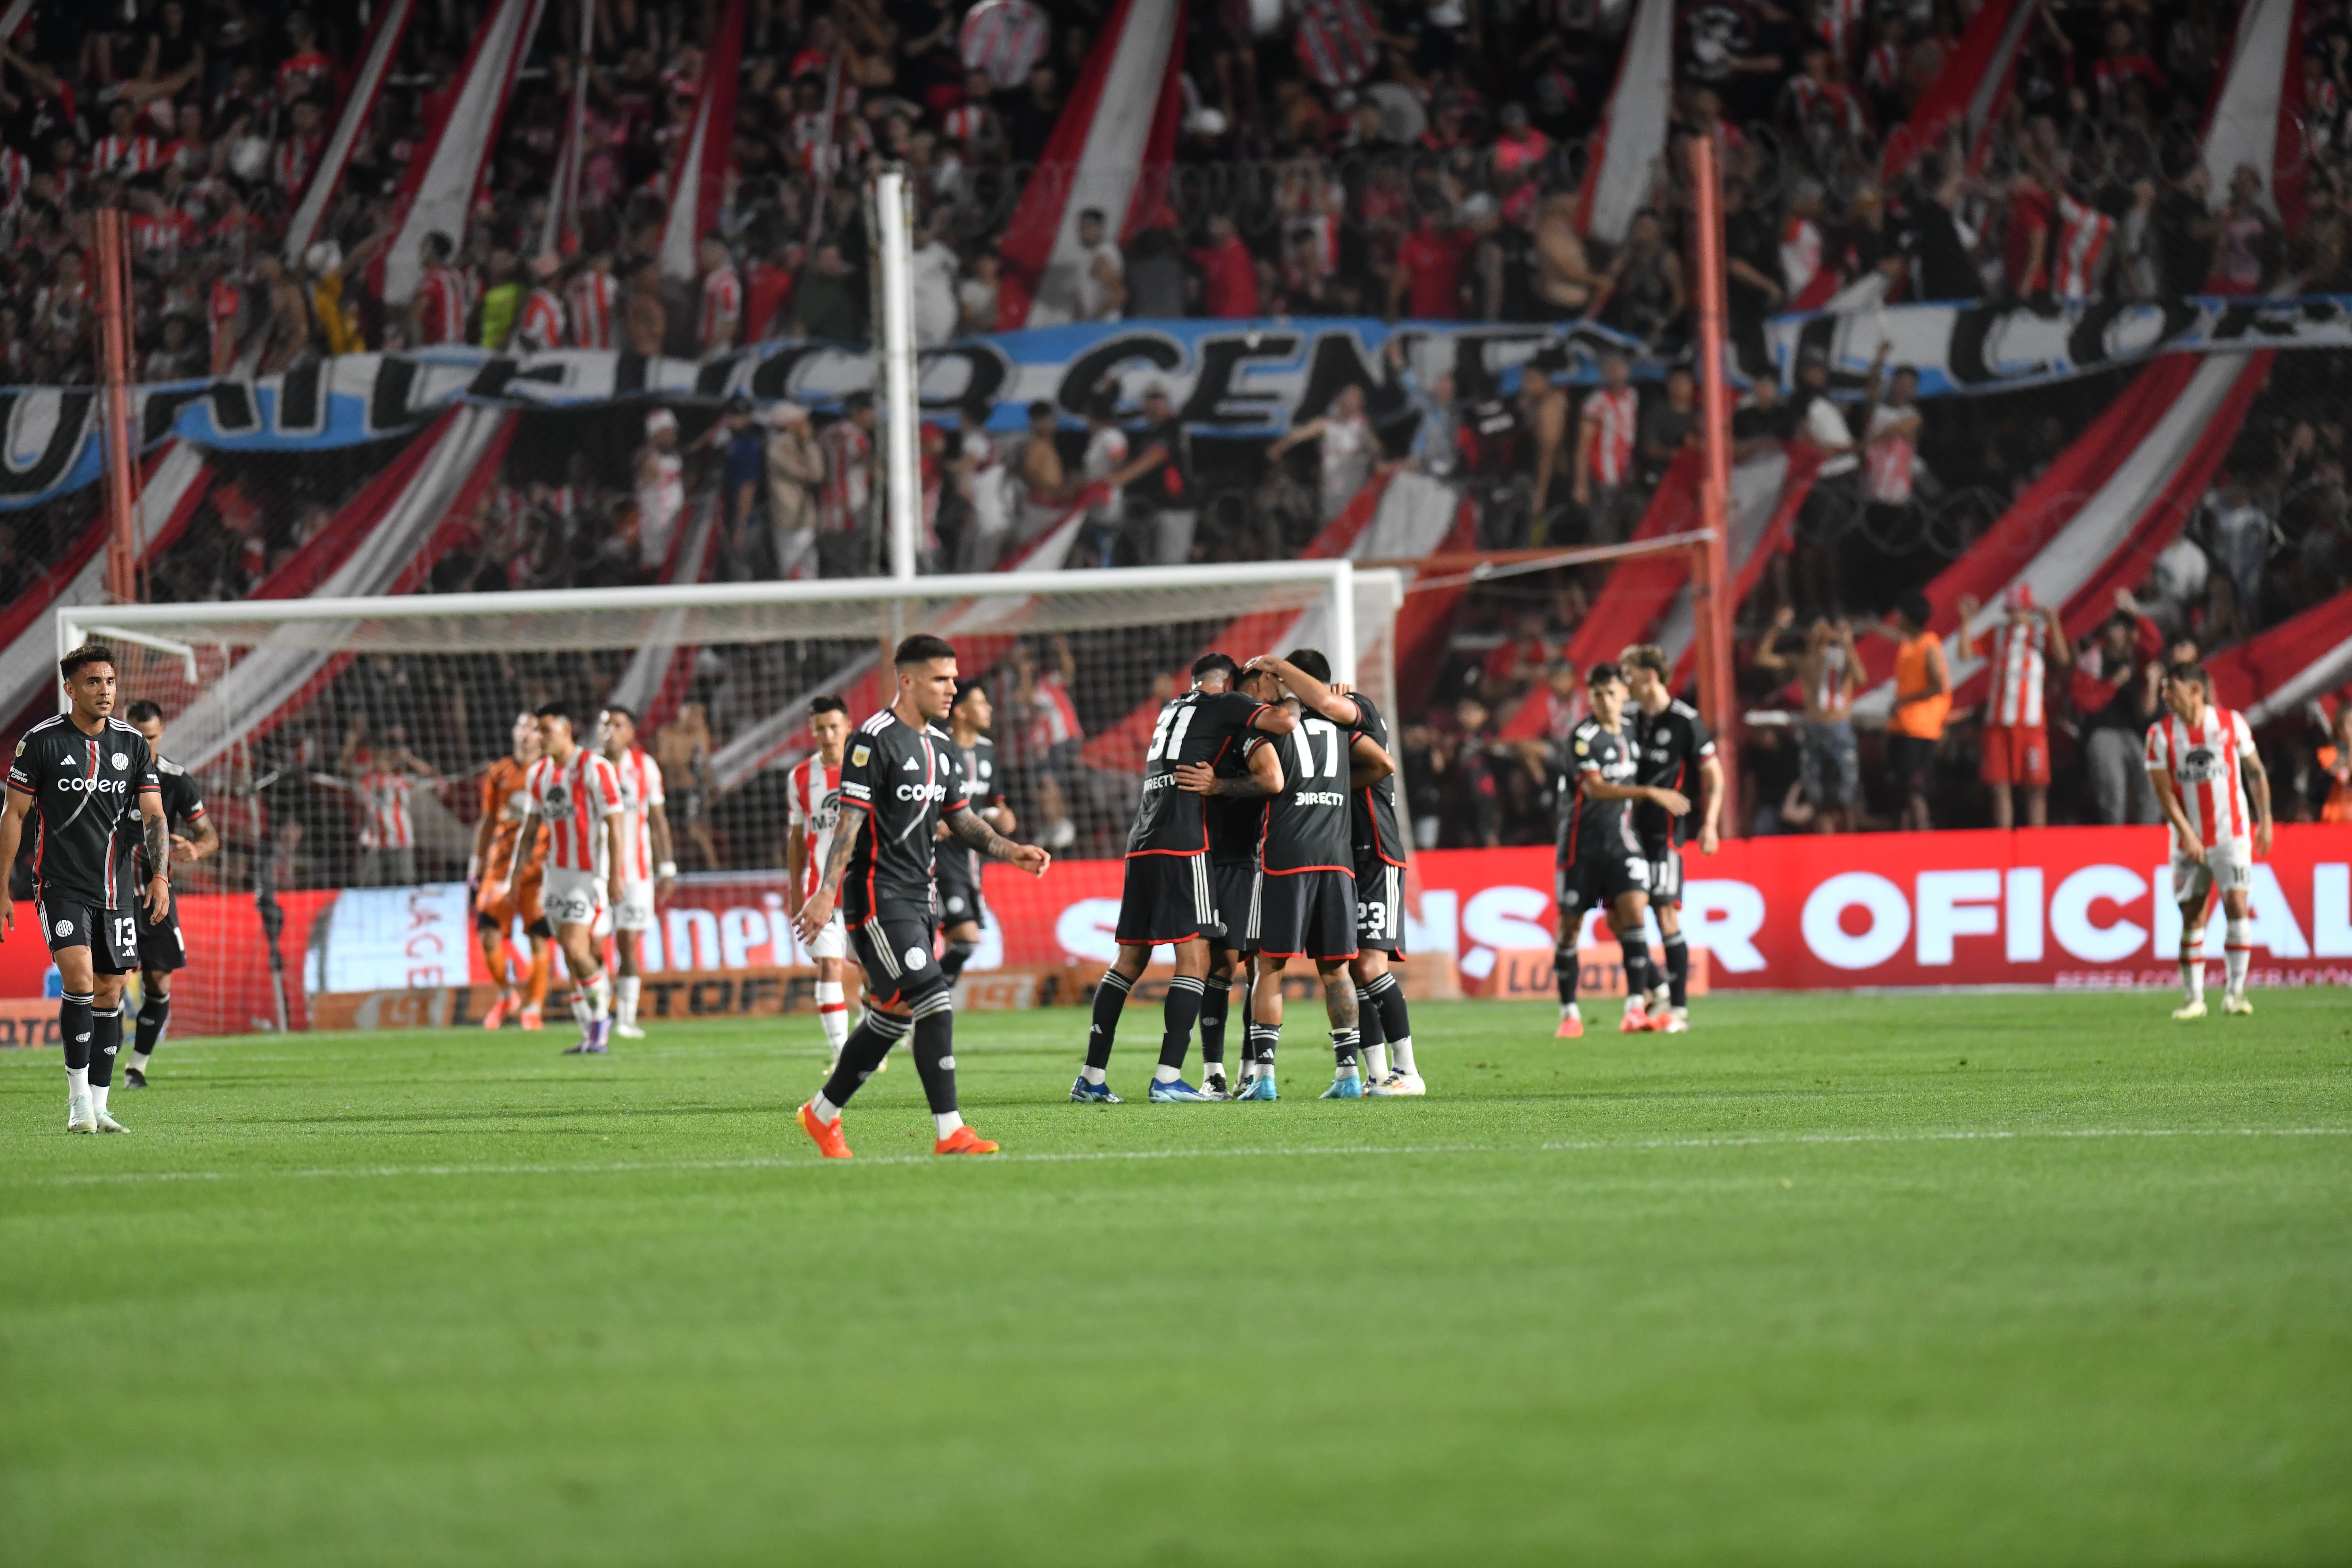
(438,193)
(2257,119)
(563,194)
(1969,93)
(1337,41)
(1632,134)
(375,64)
(1003,39)
(698,186)
(1110,149)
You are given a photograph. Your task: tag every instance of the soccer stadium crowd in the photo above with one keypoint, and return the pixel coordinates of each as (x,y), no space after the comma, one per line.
(1417,159)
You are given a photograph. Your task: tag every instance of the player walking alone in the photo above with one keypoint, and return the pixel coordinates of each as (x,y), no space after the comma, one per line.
(648,862)
(813,790)
(901,779)
(1672,750)
(2201,757)
(85,778)
(511,862)
(1166,896)
(1601,861)
(579,795)
(161,948)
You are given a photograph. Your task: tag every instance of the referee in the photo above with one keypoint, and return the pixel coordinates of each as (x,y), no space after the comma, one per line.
(87,782)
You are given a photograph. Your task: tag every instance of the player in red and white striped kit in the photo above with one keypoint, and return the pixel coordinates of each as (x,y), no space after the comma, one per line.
(814,808)
(577,793)
(2016,732)
(2201,757)
(648,861)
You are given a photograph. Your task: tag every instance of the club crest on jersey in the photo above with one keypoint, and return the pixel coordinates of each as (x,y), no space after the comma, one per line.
(916,958)
(558,799)
(65,927)
(121,760)
(858,755)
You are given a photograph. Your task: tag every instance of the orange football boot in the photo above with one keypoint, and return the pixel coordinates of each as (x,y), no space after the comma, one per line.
(826,1135)
(498,1013)
(963,1141)
(1570,1030)
(531,1018)
(1635,1022)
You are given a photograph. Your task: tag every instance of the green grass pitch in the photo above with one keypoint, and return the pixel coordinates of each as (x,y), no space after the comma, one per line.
(1853,1280)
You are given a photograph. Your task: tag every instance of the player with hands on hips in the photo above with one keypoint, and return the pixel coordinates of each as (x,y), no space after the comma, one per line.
(2201,757)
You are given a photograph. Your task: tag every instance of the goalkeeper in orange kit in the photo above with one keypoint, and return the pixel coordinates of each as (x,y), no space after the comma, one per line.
(509,870)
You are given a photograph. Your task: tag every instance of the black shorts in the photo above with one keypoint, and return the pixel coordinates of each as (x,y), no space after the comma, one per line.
(960,892)
(895,948)
(1304,914)
(1910,761)
(111,935)
(1665,864)
(1595,882)
(1166,898)
(1233,882)
(160,946)
(1379,907)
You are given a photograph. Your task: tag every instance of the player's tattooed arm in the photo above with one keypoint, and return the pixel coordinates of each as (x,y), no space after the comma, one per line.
(968,827)
(1264,778)
(155,838)
(836,860)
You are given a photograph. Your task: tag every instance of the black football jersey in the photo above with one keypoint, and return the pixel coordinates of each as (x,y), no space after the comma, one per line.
(1236,823)
(85,791)
(1588,826)
(898,781)
(1306,826)
(980,792)
(1667,747)
(1198,727)
(184,807)
(1372,811)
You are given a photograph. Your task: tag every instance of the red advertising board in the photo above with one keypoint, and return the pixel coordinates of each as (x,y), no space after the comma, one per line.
(2077,907)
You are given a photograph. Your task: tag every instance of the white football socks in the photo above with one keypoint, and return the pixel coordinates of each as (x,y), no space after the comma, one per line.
(98,1093)
(2237,952)
(2192,971)
(948,1121)
(1375,1062)
(624,997)
(832,1014)
(1093,1074)
(1163,1073)
(823,1108)
(1402,1051)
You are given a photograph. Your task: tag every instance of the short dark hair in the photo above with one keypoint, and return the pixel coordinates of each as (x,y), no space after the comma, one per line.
(1309,661)
(614,710)
(139,712)
(1094,212)
(1914,607)
(89,653)
(558,709)
(440,245)
(921,649)
(2190,672)
(1209,663)
(1041,409)
(826,702)
(965,688)
(1604,674)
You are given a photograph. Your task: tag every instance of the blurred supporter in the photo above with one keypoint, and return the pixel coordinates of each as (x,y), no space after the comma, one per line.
(1345,447)
(1923,700)
(1828,671)
(796,473)
(2015,745)
(2118,689)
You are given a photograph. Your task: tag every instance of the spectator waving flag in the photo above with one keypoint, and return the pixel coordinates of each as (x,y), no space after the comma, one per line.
(1633,135)
(1003,39)
(383,42)
(1110,149)
(698,186)
(1970,92)
(438,193)
(1336,41)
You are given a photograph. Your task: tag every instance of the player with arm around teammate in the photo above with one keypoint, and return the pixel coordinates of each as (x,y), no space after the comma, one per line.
(161,949)
(1304,904)
(648,862)
(961,910)
(901,780)
(1236,821)
(577,793)
(1673,750)
(87,782)
(1600,863)
(2201,757)
(1166,896)
(813,793)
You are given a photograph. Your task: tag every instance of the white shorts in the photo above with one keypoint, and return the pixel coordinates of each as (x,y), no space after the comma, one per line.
(635,909)
(833,941)
(572,897)
(2227,867)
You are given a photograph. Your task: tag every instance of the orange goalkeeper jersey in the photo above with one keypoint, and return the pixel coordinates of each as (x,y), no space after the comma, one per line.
(500,786)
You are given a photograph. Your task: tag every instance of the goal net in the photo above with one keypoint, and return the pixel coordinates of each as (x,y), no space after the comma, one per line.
(342,744)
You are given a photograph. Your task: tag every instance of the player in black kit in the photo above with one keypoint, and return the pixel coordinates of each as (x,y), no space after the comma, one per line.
(1304,904)
(88,782)
(1601,861)
(961,911)
(901,779)
(1166,896)
(1671,748)
(1236,823)
(161,949)
(1379,849)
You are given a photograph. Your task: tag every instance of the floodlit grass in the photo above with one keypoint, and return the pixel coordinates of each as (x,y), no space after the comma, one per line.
(2017,1280)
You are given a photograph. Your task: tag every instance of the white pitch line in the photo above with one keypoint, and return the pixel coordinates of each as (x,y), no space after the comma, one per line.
(627,1167)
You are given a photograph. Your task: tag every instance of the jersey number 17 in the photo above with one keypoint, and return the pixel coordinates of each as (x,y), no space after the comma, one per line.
(1303,741)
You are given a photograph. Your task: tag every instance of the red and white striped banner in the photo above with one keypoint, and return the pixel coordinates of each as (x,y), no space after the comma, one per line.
(1110,149)
(439,194)
(1632,138)
(1970,92)
(1003,39)
(698,186)
(375,64)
